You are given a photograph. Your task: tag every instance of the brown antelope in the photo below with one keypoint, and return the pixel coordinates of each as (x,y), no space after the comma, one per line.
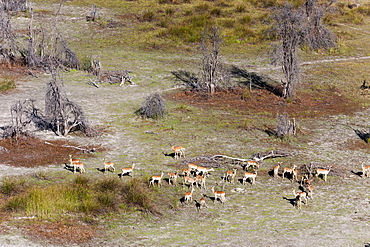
(173,177)
(295,175)
(156,178)
(179,151)
(192,167)
(298,202)
(305,181)
(324,172)
(252,163)
(309,191)
(203,170)
(128,170)
(108,165)
(80,166)
(189,195)
(202,203)
(230,175)
(301,194)
(365,170)
(219,194)
(289,170)
(76,164)
(185,172)
(71,161)
(201,181)
(189,180)
(251,176)
(276,169)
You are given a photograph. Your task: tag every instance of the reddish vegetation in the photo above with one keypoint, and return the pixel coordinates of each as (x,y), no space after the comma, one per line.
(260,100)
(61,232)
(32,152)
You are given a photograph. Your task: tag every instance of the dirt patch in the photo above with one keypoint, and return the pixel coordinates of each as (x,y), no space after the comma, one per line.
(260,100)
(60,233)
(33,152)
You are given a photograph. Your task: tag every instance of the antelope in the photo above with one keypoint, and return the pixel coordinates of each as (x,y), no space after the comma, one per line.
(75,163)
(185,172)
(73,160)
(324,172)
(305,181)
(250,175)
(365,170)
(192,167)
(128,170)
(218,194)
(289,170)
(156,178)
(295,175)
(201,181)
(203,170)
(252,163)
(298,202)
(309,191)
(301,194)
(189,195)
(179,151)
(230,175)
(276,169)
(172,177)
(202,203)
(108,165)
(80,166)
(189,180)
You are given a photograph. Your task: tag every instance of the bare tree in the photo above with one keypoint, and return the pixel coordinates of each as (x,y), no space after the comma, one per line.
(285,127)
(63,115)
(8,44)
(298,27)
(14,5)
(213,74)
(153,107)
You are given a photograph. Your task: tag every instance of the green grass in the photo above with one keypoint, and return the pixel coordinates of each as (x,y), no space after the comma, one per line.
(6,84)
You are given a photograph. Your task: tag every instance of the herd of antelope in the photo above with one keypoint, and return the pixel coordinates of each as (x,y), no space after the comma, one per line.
(195,176)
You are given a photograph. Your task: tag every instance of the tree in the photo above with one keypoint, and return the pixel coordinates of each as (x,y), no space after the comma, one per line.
(213,75)
(62,114)
(297,28)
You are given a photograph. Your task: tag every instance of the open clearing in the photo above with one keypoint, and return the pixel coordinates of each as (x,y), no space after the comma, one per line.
(234,125)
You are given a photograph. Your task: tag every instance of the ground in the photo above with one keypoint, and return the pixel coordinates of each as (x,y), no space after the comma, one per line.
(232,123)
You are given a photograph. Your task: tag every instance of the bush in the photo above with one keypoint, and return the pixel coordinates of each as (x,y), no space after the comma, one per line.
(153,107)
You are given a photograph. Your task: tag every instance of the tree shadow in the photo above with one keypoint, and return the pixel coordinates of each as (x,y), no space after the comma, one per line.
(255,80)
(365,136)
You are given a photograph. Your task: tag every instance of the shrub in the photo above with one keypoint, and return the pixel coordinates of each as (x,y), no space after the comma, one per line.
(137,194)
(11,185)
(153,107)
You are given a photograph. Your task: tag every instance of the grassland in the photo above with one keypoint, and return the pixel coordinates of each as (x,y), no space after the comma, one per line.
(47,207)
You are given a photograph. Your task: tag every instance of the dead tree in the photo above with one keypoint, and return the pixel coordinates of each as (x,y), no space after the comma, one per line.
(93,14)
(63,115)
(213,75)
(296,28)
(285,127)
(8,44)
(14,5)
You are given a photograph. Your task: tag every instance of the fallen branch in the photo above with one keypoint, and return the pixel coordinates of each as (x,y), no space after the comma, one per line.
(84,150)
(91,82)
